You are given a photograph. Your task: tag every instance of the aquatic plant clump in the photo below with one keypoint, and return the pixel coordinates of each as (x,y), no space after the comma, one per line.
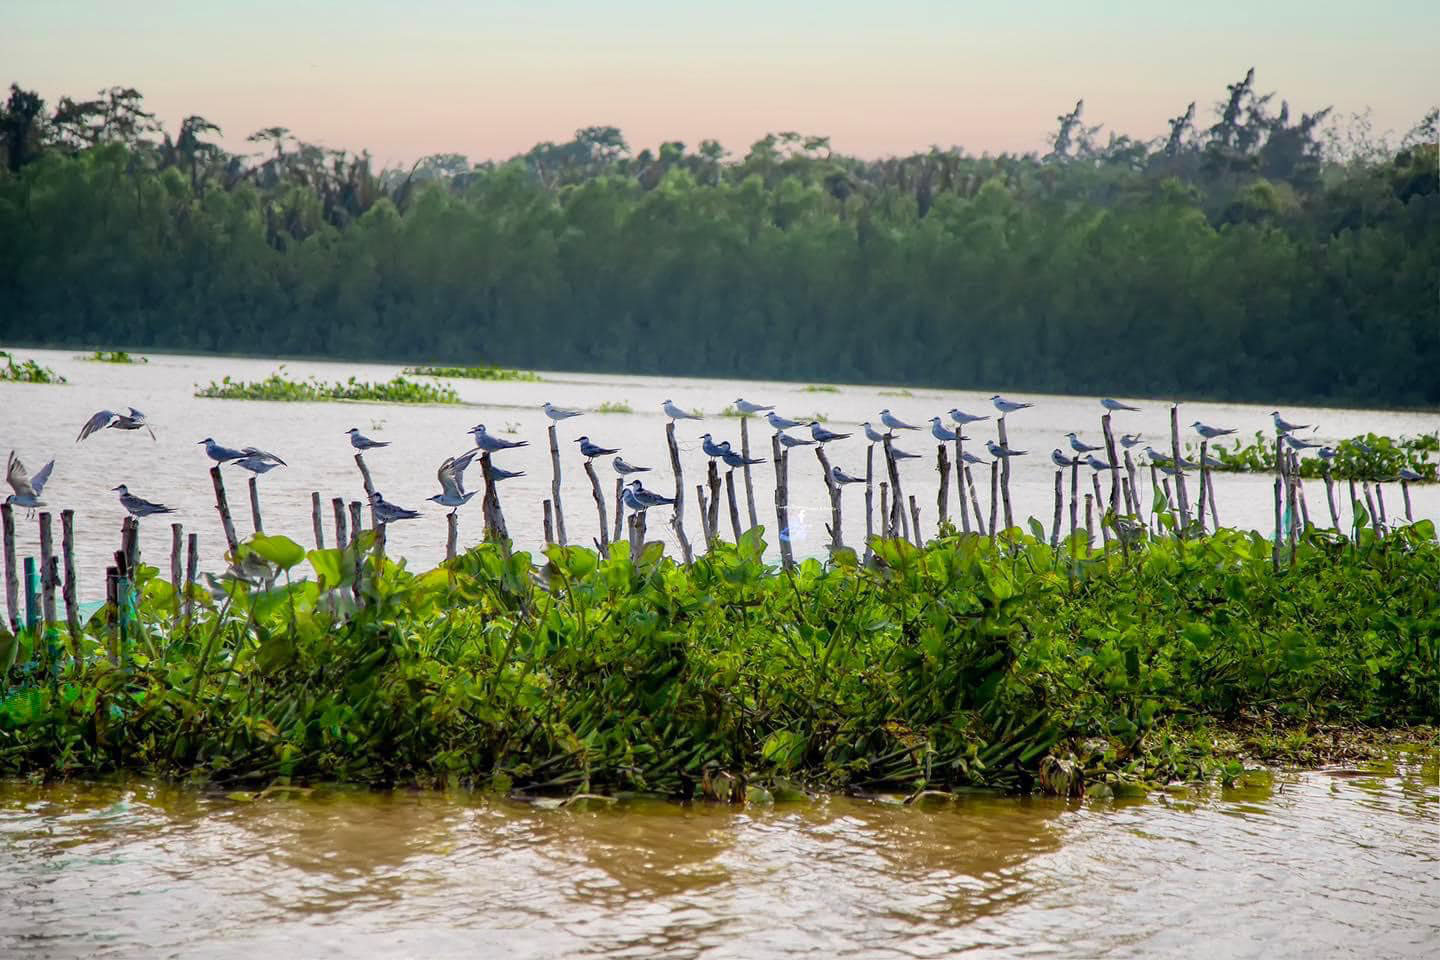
(113,356)
(1367,457)
(278,387)
(474,373)
(26,371)
(1008,665)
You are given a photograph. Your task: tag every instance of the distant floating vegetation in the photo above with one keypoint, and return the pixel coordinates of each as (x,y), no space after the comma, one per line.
(279,387)
(820,388)
(902,392)
(26,371)
(474,373)
(113,356)
(1370,457)
(614,407)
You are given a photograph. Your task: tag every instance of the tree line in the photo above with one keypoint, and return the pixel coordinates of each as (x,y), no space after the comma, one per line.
(1263,256)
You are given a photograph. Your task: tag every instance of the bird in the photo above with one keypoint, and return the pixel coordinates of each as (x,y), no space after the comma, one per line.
(1110,403)
(821,435)
(1129,440)
(841,477)
(871,434)
(1096,463)
(1285,426)
(1078,445)
(257,464)
(733,459)
(592,450)
(559,413)
(939,431)
(359,441)
(1409,475)
(136,506)
(675,413)
(452,486)
(647,498)
(27,489)
(1214,463)
(1157,458)
(969,457)
(629,499)
(134,420)
(1362,446)
(1295,443)
(218,453)
(894,422)
(625,469)
(782,423)
(1060,460)
(490,443)
(1209,432)
(998,451)
(899,454)
(499,474)
(746,407)
(1008,406)
(962,418)
(711,448)
(1168,470)
(259,454)
(790,441)
(387,512)
(1326,453)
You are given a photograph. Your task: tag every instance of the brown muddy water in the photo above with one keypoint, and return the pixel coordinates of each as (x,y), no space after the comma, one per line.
(1333,864)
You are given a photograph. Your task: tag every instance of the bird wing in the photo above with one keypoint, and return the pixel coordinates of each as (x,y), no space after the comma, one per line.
(18,477)
(450,483)
(42,477)
(263,455)
(99,421)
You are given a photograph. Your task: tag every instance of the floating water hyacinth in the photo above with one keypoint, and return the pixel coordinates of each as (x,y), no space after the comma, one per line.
(474,373)
(26,371)
(278,387)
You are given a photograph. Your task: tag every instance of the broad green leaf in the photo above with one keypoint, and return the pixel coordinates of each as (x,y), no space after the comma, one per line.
(277,549)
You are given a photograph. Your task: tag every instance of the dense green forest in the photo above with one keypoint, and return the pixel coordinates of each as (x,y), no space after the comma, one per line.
(1259,256)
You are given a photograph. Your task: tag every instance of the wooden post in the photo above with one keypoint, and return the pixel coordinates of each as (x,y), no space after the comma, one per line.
(1405,492)
(1370,508)
(974,501)
(1330,498)
(255,506)
(1380,502)
(870,500)
(192,565)
(1074,494)
(316,521)
(1204,486)
(1100,505)
(749,488)
(130,543)
(994,494)
(12,581)
(177,546)
(1354,499)
(1154,489)
(1210,495)
(494,516)
(902,528)
(780,457)
(1182,499)
(223,506)
(599,496)
(734,508)
(112,602)
(47,557)
(713,478)
(369,489)
(1005,472)
(555,486)
(836,538)
(917,539)
(357,524)
(885,518)
(342,538)
(1300,495)
(960,478)
(942,500)
(706,530)
(1136,507)
(1130,496)
(1114,465)
(1059,509)
(677,520)
(67,550)
(619,529)
(549,523)
(1089,521)
(1279,526)
(452,535)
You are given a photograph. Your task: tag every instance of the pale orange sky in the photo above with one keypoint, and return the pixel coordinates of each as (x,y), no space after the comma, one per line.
(491,79)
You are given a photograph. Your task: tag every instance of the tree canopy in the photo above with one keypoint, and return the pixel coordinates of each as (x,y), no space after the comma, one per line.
(1250,258)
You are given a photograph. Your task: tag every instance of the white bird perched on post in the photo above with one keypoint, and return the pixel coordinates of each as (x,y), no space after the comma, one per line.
(747,408)
(136,506)
(675,413)
(1157,458)
(1209,432)
(1008,406)
(871,434)
(939,431)
(1113,405)
(134,420)
(1078,445)
(593,450)
(1285,426)
(219,453)
(998,451)
(899,454)
(1096,463)
(1409,475)
(969,457)
(28,489)
(711,448)
(491,443)
(734,460)
(559,413)
(1326,453)
(782,423)
(894,422)
(841,477)
(387,512)
(1295,443)
(963,418)
(788,441)
(821,435)
(1060,460)
(625,469)
(359,441)
(646,498)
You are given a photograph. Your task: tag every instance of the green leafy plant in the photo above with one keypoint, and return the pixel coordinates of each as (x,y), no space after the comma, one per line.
(279,387)
(113,356)
(613,406)
(26,371)
(1370,456)
(474,373)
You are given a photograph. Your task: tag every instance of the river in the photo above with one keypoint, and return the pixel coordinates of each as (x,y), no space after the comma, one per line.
(1334,864)
(41,421)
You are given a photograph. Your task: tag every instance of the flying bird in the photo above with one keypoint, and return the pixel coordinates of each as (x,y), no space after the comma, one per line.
(452,485)
(28,489)
(134,420)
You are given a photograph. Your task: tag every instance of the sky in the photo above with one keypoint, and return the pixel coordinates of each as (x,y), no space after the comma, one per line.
(490,79)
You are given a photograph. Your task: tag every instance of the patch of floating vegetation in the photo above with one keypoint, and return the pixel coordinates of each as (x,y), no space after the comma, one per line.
(819,388)
(113,356)
(1370,457)
(474,373)
(610,406)
(279,387)
(26,371)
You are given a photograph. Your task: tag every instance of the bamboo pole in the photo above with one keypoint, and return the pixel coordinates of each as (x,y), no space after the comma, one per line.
(942,499)
(1089,521)
(1300,494)
(356,526)
(255,506)
(677,520)
(1204,486)
(549,523)
(960,478)
(369,489)
(342,538)
(452,535)
(177,548)
(749,487)
(1210,495)
(1380,502)
(619,528)
(734,508)
(1114,464)
(884,510)
(67,550)
(494,516)
(994,494)
(1129,496)
(1169,497)
(192,565)
(1154,489)
(870,500)
(599,496)
(1354,499)
(222,505)
(1370,508)
(1136,507)
(555,486)
(1100,505)
(1330,498)
(317,520)
(1182,499)
(897,503)
(12,581)
(836,534)
(917,539)
(974,501)
(130,543)
(712,475)
(704,508)
(1004,472)
(1059,509)
(1074,494)
(780,458)
(112,603)
(1279,526)
(47,557)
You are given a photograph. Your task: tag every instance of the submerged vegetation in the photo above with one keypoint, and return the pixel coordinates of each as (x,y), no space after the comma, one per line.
(964,663)
(474,373)
(1305,248)
(26,371)
(280,387)
(1367,457)
(113,356)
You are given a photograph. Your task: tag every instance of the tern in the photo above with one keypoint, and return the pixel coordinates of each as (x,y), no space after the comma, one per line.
(1111,404)
(841,477)
(782,423)
(1214,463)
(1080,446)
(625,469)
(711,448)
(1157,458)
(1409,475)
(27,489)
(894,422)
(675,413)
(452,485)
(490,443)
(1096,463)
(259,454)
(734,460)
(969,457)
(1285,426)
(939,431)
(499,474)
(648,498)
(962,418)
(134,420)
(747,408)
(359,441)
(899,454)
(1060,460)
(136,506)
(387,512)
(789,441)
(559,413)
(821,435)
(1326,453)
(1129,440)
(219,453)
(1295,443)
(1209,432)
(629,499)
(998,451)
(1008,406)
(257,464)
(871,434)
(592,450)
